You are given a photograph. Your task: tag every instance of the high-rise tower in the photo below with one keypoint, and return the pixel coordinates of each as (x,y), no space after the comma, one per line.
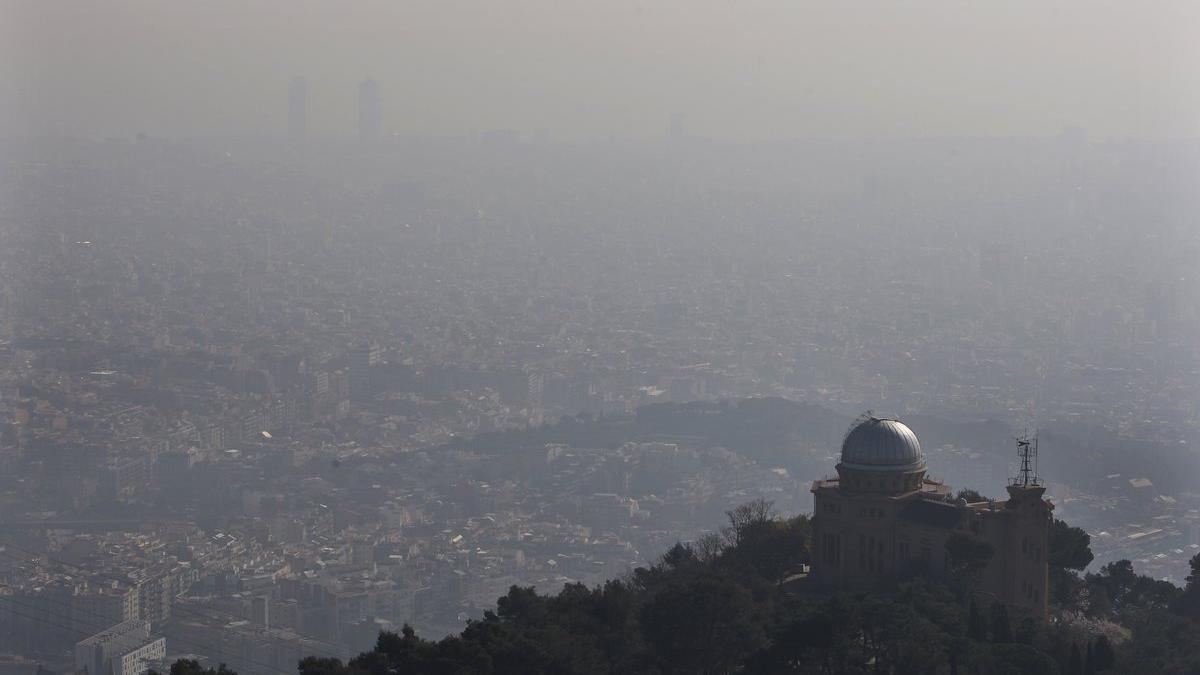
(363,359)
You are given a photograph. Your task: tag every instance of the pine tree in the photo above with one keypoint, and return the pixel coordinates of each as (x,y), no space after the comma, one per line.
(1188,603)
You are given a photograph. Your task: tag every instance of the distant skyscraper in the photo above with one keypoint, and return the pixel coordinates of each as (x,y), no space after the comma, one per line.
(536,393)
(363,359)
(369,117)
(298,108)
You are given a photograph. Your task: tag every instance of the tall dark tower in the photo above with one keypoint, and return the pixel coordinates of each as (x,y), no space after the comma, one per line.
(298,109)
(1026,574)
(363,358)
(369,116)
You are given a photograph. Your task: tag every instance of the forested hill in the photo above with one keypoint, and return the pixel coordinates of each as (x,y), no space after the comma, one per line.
(732,603)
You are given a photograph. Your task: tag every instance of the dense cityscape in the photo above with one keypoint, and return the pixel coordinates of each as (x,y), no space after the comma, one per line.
(536,337)
(254,395)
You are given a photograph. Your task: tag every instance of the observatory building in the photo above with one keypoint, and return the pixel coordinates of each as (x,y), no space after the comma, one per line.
(882,520)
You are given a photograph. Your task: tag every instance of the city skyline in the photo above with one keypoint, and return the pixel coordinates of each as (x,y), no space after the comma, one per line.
(566,337)
(934,68)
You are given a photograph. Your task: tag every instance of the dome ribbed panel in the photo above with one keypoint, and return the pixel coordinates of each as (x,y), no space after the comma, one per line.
(882,443)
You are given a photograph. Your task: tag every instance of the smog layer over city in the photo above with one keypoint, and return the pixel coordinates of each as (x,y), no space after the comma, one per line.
(570,336)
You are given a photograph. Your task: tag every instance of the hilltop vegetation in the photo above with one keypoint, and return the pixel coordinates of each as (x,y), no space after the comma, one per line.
(731,603)
(728,603)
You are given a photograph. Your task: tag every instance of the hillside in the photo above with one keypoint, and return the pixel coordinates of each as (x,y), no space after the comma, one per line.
(731,603)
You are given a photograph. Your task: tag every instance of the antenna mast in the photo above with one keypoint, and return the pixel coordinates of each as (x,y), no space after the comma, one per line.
(1027,450)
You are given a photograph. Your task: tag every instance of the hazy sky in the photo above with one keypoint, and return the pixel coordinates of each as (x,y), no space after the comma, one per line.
(737,68)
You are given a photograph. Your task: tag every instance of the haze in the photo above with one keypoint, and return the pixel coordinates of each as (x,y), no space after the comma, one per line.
(321,319)
(737,70)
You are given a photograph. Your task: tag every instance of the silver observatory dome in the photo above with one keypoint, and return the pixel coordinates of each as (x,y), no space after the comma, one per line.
(881,444)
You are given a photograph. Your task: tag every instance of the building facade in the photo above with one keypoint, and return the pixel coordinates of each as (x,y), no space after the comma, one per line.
(127,648)
(363,360)
(882,520)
